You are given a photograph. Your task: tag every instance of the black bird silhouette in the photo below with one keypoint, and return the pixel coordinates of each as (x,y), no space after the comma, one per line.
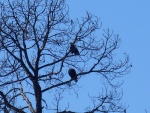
(73,74)
(73,49)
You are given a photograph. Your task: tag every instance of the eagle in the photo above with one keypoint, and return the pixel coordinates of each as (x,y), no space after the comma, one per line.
(73,74)
(74,49)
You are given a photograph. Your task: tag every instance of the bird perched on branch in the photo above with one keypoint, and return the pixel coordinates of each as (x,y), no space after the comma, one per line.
(73,49)
(73,74)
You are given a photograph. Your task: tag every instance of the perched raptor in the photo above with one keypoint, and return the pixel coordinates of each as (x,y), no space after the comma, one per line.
(73,74)
(74,49)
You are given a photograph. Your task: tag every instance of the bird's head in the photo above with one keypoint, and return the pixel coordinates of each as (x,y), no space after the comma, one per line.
(71,43)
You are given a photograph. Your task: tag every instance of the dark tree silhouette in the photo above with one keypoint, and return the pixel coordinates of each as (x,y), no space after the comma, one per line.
(35,57)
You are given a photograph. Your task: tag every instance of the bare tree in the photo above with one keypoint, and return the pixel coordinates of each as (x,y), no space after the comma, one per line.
(35,37)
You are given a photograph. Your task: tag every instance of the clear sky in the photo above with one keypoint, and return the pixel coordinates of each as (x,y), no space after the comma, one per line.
(131,20)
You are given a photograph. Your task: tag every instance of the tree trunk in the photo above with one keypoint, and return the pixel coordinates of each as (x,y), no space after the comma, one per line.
(38,96)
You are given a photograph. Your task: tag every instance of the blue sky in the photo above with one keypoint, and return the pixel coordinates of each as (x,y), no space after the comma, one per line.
(131,20)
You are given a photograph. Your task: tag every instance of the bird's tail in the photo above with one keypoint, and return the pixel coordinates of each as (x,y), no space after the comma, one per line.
(77,53)
(76,80)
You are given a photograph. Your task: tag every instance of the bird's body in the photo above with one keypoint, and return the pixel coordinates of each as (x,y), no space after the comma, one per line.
(73,49)
(73,74)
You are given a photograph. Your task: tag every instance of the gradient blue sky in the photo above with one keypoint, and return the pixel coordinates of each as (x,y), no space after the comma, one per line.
(131,20)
